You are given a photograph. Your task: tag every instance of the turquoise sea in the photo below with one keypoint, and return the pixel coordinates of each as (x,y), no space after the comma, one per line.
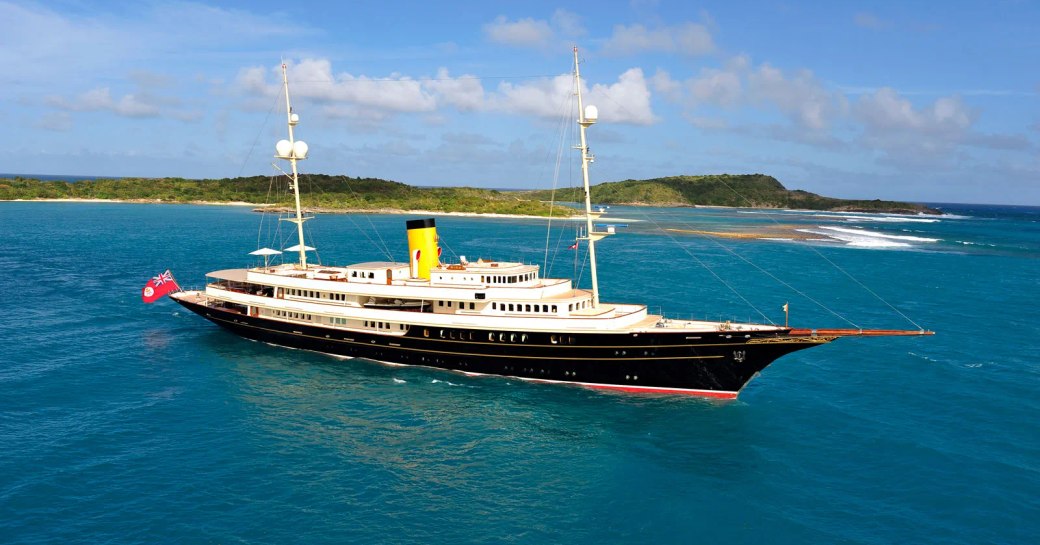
(129,423)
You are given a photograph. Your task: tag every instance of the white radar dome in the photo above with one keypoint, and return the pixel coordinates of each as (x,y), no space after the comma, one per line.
(294,118)
(591,113)
(300,149)
(283,148)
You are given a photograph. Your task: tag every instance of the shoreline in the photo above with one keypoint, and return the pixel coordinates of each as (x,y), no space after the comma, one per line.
(259,207)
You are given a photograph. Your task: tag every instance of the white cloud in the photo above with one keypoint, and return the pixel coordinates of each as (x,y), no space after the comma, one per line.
(800,96)
(936,133)
(100,99)
(465,93)
(313,79)
(535,33)
(663,83)
(526,32)
(364,97)
(626,101)
(885,110)
(686,39)
(542,97)
(719,87)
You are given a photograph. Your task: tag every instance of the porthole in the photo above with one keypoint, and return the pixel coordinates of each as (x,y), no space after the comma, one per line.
(491,337)
(553,339)
(512,337)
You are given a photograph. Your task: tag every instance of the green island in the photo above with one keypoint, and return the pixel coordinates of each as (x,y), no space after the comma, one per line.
(732,190)
(326,193)
(319,193)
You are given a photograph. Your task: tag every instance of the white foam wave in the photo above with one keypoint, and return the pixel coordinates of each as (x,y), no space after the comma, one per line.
(878,219)
(399,381)
(875,234)
(862,238)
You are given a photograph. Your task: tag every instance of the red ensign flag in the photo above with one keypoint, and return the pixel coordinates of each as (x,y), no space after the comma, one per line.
(158,286)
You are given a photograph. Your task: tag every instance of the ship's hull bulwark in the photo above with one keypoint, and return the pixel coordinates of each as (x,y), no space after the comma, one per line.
(716,364)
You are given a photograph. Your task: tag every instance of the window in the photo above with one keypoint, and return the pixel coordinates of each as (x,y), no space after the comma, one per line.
(554,309)
(510,307)
(545,308)
(472,306)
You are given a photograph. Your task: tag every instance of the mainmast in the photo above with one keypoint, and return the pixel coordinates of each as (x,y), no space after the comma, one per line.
(293,151)
(586,117)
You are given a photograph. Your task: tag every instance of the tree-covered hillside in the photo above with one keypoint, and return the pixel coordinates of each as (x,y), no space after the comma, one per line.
(318,190)
(744,190)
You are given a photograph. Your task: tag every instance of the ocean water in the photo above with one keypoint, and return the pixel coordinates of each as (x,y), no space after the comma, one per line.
(129,423)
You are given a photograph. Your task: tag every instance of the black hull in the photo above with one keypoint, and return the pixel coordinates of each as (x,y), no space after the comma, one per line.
(716,364)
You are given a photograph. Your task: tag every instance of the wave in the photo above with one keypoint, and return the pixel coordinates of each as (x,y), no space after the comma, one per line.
(880,219)
(862,238)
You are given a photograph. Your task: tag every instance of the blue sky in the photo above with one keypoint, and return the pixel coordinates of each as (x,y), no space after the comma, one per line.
(923,101)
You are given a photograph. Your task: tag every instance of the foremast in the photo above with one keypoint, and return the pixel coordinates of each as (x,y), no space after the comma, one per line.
(293,151)
(586,118)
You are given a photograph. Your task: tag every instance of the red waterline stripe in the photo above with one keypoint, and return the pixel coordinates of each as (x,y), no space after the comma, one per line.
(676,391)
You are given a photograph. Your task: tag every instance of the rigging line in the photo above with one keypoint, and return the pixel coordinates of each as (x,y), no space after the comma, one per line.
(707,268)
(382,247)
(263,212)
(259,133)
(771,275)
(556,180)
(833,264)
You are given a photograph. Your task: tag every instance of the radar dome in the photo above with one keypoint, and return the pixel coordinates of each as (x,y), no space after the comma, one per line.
(591,113)
(300,149)
(283,148)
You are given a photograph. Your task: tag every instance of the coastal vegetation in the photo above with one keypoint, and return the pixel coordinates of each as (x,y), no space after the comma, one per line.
(737,190)
(320,192)
(344,193)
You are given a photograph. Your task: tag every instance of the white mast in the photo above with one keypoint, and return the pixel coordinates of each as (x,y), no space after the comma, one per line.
(586,118)
(293,151)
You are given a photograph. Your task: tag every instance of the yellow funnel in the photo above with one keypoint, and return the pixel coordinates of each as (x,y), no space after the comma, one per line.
(423,253)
